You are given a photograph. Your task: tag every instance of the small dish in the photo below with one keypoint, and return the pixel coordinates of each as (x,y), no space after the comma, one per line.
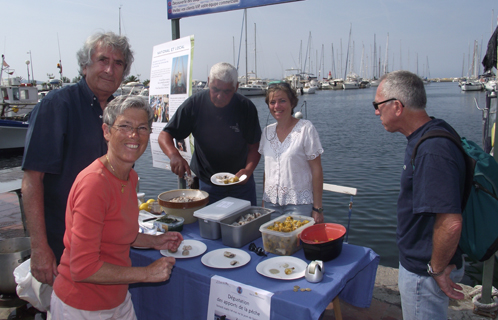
(197,248)
(217,258)
(222,179)
(275,268)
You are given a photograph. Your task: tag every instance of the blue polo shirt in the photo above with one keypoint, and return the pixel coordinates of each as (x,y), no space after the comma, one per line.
(64,137)
(435,186)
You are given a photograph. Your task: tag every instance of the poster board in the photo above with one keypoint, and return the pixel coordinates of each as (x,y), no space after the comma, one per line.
(230,300)
(186,8)
(170,85)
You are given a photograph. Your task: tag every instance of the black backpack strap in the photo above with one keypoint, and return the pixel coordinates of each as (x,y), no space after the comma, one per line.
(436,134)
(469,162)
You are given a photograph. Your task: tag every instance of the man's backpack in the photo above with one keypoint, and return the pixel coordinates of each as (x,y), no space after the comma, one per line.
(479,239)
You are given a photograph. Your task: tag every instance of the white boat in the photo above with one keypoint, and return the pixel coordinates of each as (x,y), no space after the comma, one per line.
(374,82)
(198,86)
(310,86)
(309,89)
(18,99)
(336,84)
(472,86)
(251,89)
(490,85)
(13,134)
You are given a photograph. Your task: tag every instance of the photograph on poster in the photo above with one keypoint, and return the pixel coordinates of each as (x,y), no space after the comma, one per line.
(218,316)
(160,106)
(178,75)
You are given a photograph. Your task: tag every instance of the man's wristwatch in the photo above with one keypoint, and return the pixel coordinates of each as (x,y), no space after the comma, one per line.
(431,272)
(319,210)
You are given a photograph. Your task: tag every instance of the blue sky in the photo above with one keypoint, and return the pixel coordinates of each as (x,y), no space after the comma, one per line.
(439,32)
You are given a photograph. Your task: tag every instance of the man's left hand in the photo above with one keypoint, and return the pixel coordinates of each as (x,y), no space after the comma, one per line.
(447,285)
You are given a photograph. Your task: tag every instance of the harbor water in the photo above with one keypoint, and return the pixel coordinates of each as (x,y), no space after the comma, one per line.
(358,153)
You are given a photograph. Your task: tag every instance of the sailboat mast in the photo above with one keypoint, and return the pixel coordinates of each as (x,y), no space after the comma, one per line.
(245,18)
(386,68)
(347,54)
(375,60)
(255,60)
(120,20)
(1,67)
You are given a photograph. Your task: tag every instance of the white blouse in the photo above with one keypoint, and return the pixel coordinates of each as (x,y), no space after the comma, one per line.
(288,177)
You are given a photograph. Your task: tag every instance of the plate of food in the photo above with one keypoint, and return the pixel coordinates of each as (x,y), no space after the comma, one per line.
(284,267)
(187,249)
(225,258)
(226,179)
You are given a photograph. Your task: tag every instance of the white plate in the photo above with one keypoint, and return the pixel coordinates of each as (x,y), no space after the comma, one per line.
(280,263)
(198,248)
(217,259)
(214,178)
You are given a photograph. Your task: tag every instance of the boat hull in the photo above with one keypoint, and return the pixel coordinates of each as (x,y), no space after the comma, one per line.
(13,134)
(472,86)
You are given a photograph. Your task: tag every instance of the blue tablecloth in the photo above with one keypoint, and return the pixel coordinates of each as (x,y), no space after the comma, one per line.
(186,294)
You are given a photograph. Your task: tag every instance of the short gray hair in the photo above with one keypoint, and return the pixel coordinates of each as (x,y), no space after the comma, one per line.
(225,72)
(109,39)
(405,86)
(120,104)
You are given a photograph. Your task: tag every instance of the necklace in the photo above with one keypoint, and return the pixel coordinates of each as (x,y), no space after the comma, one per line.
(122,185)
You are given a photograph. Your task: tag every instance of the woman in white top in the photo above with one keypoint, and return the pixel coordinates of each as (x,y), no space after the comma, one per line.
(291,148)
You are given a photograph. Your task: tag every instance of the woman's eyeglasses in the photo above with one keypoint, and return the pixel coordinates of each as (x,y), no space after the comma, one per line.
(257,250)
(142,130)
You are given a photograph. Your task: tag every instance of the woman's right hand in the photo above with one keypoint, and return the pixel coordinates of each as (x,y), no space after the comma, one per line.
(160,270)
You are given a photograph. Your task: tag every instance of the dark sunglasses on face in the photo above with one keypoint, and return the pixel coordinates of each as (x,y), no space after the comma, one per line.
(257,250)
(377,104)
(276,84)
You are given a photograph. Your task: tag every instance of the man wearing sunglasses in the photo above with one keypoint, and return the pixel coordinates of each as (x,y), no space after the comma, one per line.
(226,130)
(429,202)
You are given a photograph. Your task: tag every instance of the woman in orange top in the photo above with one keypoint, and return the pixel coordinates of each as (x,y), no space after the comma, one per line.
(102,224)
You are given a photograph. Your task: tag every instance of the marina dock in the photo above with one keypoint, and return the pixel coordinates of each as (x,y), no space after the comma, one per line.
(386,302)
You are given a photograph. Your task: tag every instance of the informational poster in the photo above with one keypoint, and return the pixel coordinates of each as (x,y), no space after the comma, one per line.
(170,85)
(186,8)
(231,300)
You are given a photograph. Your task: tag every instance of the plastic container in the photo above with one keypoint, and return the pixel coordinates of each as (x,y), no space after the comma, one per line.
(323,241)
(210,216)
(169,223)
(240,235)
(283,243)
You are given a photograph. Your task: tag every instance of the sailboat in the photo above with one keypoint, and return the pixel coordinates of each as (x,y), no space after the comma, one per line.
(255,87)
(351,80)
(473,84)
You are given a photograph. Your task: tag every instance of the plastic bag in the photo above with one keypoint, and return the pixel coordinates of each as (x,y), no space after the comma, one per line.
(30,289)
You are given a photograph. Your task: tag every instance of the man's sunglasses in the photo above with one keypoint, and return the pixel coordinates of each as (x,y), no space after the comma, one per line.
(257,250)
(377,104)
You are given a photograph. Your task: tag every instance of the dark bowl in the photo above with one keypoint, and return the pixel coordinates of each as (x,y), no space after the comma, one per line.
(323,241)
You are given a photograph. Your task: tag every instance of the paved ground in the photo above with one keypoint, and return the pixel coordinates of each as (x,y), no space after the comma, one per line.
(385,305)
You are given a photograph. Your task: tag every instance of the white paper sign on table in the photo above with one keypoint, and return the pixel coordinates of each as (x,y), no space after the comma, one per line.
(230,299)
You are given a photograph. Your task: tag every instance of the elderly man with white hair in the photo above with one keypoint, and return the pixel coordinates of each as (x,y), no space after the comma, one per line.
(226,130)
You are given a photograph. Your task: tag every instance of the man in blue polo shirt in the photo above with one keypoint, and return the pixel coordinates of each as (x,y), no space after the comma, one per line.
(65,136)
(429,203)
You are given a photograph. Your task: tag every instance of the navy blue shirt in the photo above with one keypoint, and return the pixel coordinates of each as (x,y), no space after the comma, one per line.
(64,137)
(435,186)
(222,135)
